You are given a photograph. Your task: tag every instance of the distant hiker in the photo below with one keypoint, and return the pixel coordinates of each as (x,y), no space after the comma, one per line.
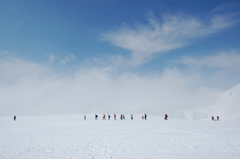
(212,118)
(104,117)
(145,116)
(121,117)
(96,116)
(131,117)
(166,117)
(109,117)
(115,117)
(14,118)
(217,118)
(142,117)
(85,118)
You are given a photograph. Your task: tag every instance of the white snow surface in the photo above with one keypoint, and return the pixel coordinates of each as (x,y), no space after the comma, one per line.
(71,137)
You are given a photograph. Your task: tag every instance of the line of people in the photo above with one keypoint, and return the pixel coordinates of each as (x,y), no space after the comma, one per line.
(122,117)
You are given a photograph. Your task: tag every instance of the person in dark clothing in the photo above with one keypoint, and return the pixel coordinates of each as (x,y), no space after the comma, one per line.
(131,117)
(166,117)
(109,117)
(104,117)
(213,118)
(217,118)
(145,116)
(96,116)
(14,118)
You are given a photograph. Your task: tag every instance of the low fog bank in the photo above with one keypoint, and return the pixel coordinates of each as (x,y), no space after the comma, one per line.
(227,106)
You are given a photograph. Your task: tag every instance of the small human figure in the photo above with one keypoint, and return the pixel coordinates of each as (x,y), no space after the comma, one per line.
(212,118)
(85,118)
(142,117)
(14,118)
(121,117)
(115,117)
(109,117)
(96,116)
(145,116)
(166,117)
(131,117)
(104,117)
(217,118)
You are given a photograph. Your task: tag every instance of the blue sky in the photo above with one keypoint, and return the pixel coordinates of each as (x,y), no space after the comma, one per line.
(179,47)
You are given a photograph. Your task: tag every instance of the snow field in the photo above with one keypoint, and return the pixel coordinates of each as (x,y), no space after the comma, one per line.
(71,137)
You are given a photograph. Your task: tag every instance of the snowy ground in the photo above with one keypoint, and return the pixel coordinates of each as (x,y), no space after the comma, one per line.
(69,136)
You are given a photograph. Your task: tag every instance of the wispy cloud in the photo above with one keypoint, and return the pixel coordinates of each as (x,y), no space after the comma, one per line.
(225,60)
(15,70)
(68,57)
(219,70)
(52,58)
(229,7)
(6,52)
(165,34)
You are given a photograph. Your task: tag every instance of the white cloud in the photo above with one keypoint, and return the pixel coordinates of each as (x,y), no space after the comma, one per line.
(172,32)
(37,90)
(224,8)
(219,70)
(67,58)
(14,69)
(52,58)
(224,60)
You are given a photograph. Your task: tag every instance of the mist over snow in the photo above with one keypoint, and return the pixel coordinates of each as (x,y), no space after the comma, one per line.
(227,106)
(31,88)
(36,89)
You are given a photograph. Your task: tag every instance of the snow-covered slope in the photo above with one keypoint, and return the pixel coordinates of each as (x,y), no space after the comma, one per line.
(71,137)
(226,107)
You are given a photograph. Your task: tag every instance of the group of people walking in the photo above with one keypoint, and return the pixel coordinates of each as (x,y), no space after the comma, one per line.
(144,117)
(122,117)
(215,119)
